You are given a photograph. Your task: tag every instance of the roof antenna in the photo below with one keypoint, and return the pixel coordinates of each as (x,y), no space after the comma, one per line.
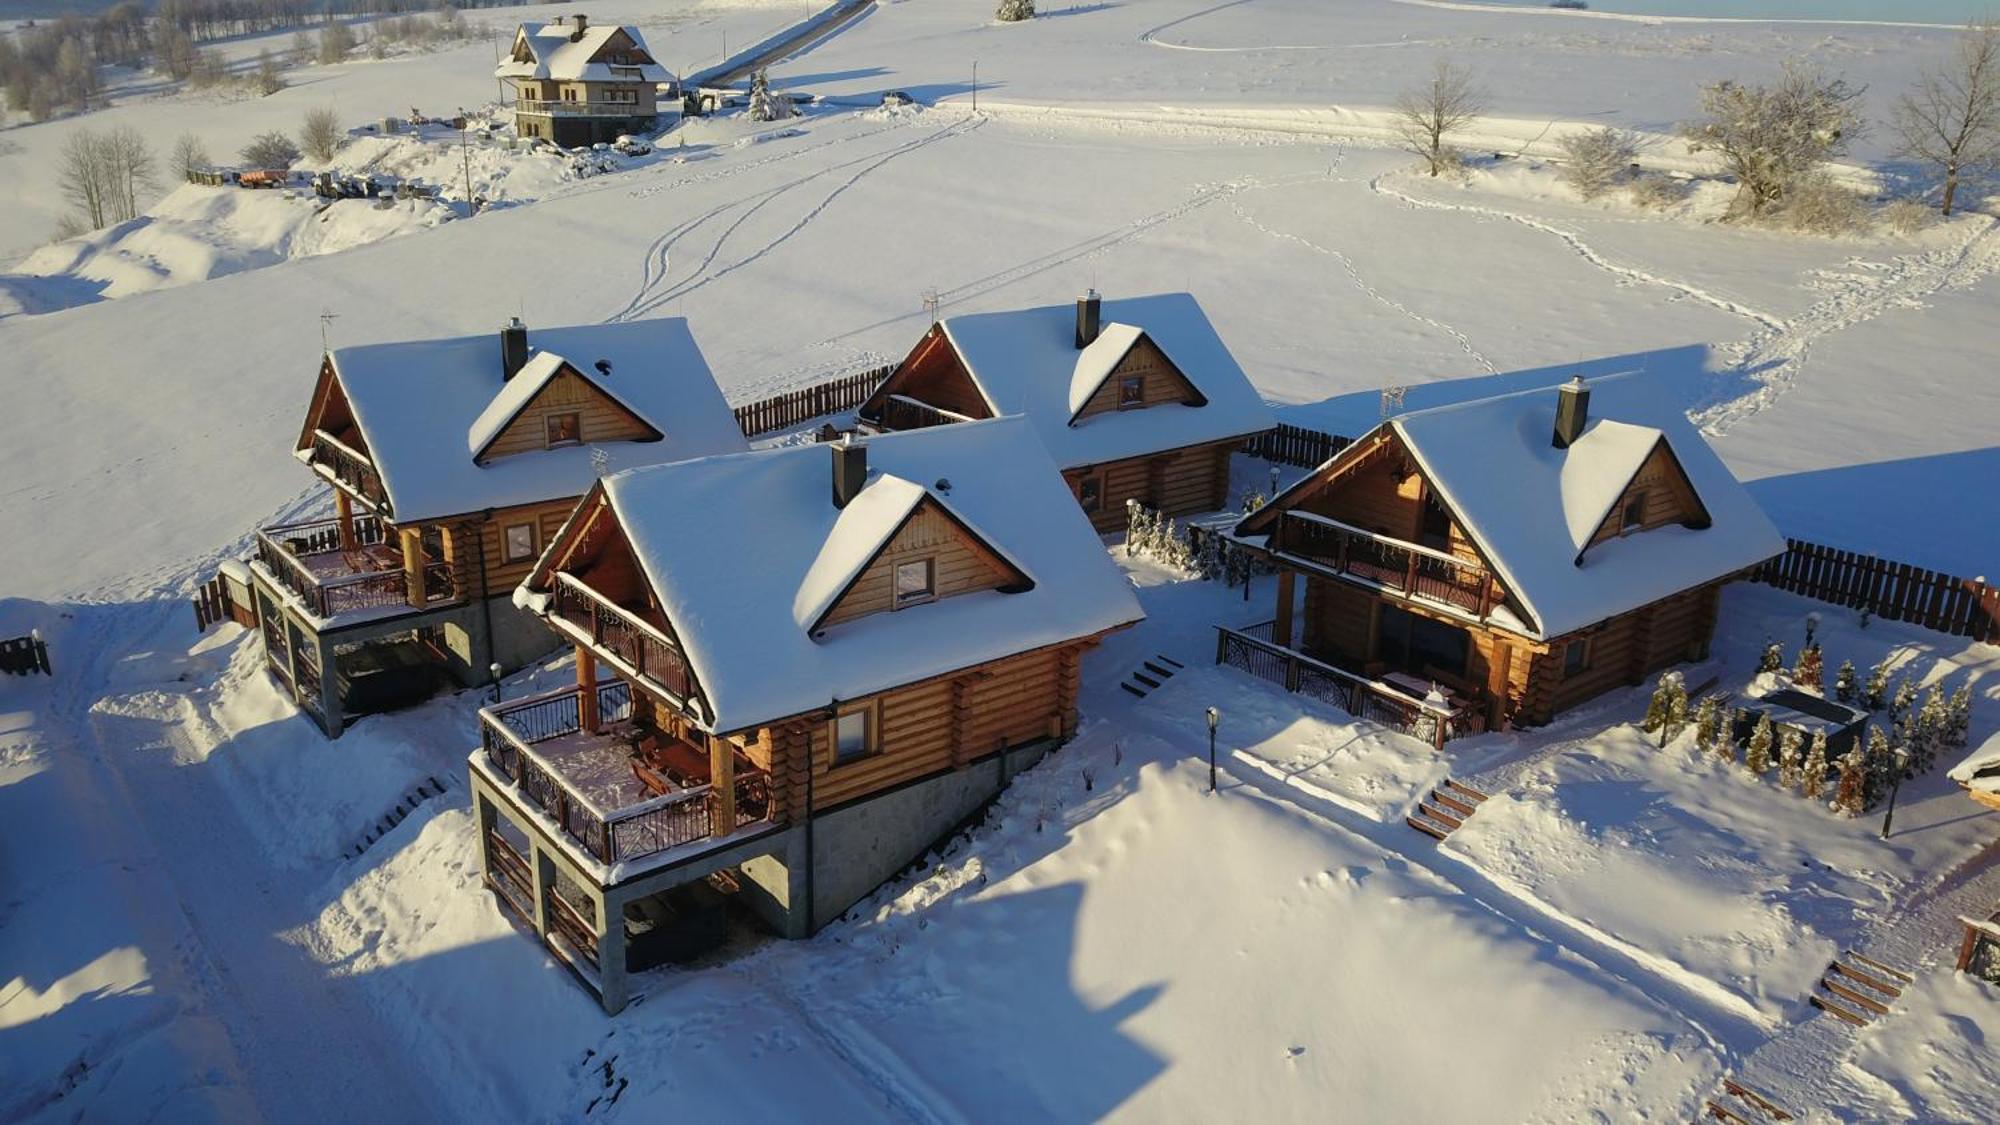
(1392,400)
(326,318)
(931,302)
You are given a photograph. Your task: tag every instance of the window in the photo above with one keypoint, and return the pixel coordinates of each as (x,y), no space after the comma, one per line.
(1435,531)
(565,429)
(1090,492)
(1576,657)
(569,93)
(1131,392)
(853,735)
(519,540)
(915,582)
(1635,513)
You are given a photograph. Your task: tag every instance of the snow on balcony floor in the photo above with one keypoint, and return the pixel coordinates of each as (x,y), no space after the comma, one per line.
(597,767)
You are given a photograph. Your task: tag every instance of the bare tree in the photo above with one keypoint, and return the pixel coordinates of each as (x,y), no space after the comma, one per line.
(321,134)
(81,168)
(335,40)
(189,155)
(1428,115)
(1951,120)
(270,150)
(129,171)
(1593,160)
(1770,136)
(267,81)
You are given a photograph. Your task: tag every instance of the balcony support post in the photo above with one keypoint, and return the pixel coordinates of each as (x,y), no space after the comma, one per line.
(413,567)
(586,690)
(343,508)
(1281,631)
(722,785)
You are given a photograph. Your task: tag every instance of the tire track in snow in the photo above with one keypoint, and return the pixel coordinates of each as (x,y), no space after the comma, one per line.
(871,1060)
(1151,37)
(1583,249)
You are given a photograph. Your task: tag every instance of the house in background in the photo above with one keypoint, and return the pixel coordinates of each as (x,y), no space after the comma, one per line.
(576,85)
(797,669)
(1509,557)
(452,462)
(1136,399)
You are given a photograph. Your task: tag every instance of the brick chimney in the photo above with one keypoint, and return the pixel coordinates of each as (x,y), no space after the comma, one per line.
(1572,411)
(513,348)
(1089,318)
(850,469)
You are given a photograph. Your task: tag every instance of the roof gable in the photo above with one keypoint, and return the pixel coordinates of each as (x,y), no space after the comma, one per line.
(1122,350)
(517,418)
(1663,494)
(602,53)
(894,520)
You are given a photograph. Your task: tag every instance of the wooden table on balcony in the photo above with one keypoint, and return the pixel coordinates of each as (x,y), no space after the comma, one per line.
(668,765)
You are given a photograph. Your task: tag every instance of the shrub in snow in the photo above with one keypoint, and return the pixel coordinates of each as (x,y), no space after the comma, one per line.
(335,40)
(1875,695)
(1770,137)
(267,80)
(1594,160)
(1906,216)
(1791,745)
(1810,671)
(1843,682)
(1757,755)
(1773,659)
(1817,205)
(1013,11)
(321,135)
(1655,191)
(1707,724)
(1666,712)
(1812,780)
(764,105)
(1848,797)
(270,150)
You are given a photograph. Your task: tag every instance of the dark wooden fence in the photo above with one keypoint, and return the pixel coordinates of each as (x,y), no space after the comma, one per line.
(1296,445)
(1965,607)
(793,408)
(24,656)
(215,602)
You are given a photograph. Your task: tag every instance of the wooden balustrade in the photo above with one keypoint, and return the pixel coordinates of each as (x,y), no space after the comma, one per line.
(899,412)
(1252,651)
(1396,565)
(623,635)
(285,550)
(350,467)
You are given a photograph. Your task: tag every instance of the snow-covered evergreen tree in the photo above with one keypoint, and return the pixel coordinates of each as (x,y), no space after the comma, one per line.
(1677,711)
(1790,745)
(764,105)
(1773,659)
(1757,755)
(1879,768)
(1013,11)
(1843,682)
(1810,671)
(1656,707)
(1958,718)
(1707,724)
(1812,779)
(1929,731)
(1725,746)
(1902,710)
(1850,796)
(1875,695)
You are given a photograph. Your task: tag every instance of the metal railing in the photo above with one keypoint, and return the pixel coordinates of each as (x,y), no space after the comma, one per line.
(585,109)
(623,635)
(350,467)
(509,733)
(1396,565)
(1253,651)
(284,550)
(899,412)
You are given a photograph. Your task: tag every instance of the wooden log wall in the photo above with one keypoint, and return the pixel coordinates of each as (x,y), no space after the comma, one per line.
(1962,607)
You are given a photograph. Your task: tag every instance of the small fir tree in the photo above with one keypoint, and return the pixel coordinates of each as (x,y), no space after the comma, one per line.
(1013,11)
(1809,672)
(1773,659)
(1656,707)
(1958,718)
(1677,711)
(1790,745)
(1812,781)
(1875,695)
(1707,724)
(1757,755)
(1849,797)
(1902,710)
(1929,732)
(1879,767)
(1843,682)
(764,105)
(1725,746)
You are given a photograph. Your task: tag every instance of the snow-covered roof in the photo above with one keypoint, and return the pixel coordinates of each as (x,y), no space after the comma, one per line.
(423,407)
(737,611)
(1981,769)
(1025,361)
(1531,507)
(555,56)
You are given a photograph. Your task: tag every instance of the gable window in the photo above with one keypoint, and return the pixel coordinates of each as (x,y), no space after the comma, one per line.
(1634,517)
(1090,492)
(1576,657)
(565,428)
(1131,392)
(518,540)
(915,582)
(854,734)
(1435,530)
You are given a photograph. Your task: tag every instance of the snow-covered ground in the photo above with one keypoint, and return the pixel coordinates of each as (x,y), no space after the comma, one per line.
(1113,941)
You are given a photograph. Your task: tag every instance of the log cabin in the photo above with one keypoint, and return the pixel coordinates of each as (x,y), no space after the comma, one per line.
(579,85)
(1499,561)
(796,669)
(1979,773)
(1137,399)
(451,463)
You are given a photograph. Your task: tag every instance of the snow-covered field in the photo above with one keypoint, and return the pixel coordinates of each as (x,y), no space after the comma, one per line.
(1617,929)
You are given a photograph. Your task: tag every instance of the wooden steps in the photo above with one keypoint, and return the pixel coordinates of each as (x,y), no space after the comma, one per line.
(414,799)
(1744,1106)
(1857,989)
(1151,674)
(1446,809)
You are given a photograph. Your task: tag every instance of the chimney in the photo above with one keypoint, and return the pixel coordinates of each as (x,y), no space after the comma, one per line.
(850,469)
(577,26)
(513,348)
(1572,412)
(1089,313)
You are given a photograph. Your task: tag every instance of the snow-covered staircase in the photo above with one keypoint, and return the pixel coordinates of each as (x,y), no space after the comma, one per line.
(1858,989)
(426,789)
(1151,674)
(1744,1106)
(1445,809)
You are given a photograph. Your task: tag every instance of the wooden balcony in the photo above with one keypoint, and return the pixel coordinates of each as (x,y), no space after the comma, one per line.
(1253,651)
(899,412)
(367,572)
(1398,566)
(350,469)
(632,644)
(623,791)
(584,109)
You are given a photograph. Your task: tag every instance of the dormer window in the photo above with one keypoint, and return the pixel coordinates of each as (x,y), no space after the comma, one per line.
(916,582)
(1634,517)
(565,428)
(1131,392)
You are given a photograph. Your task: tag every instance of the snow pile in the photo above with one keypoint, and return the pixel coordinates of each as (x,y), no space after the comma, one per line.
(1933,1056)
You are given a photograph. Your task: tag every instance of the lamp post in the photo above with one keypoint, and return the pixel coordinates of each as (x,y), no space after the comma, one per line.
(975,85)
(493,670)
(1214,717)
(1895,786)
